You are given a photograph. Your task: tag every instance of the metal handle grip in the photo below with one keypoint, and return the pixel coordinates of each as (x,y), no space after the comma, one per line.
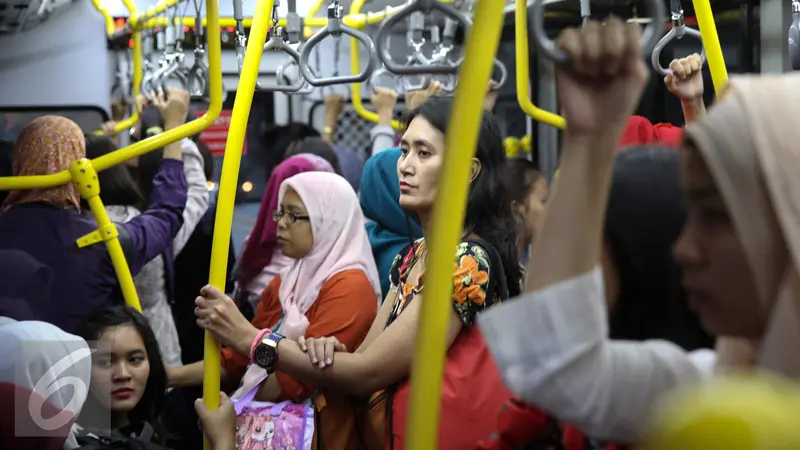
(386,28)
(503,74)
(545,45)
(375,80)
(312,42)
(794,37)
(279,75)
(669,37)
(277,44)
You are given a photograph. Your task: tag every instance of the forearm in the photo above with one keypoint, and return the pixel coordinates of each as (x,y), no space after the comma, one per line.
(189,375)
(173,150)
(693,109)
(385,117)
(569,243)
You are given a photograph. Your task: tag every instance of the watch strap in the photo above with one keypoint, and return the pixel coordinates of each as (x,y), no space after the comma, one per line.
(257,340)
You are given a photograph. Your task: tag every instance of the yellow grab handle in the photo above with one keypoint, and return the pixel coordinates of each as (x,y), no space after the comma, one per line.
(708,32)
(447,221)
(229,180)
(523,70)
(85,179)
(355,67)
(109,21)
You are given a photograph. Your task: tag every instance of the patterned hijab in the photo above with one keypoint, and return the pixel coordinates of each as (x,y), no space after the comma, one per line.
(46,146)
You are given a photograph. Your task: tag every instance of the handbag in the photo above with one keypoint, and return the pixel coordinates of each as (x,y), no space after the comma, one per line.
(267,425)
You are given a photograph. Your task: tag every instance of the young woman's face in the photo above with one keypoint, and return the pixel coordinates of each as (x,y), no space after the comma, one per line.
(716,273)
(120,369)
(294,227)
(419,165)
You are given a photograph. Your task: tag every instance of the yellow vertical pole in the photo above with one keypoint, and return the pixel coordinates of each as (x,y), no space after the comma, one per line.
(447,222)
(714,56)
(230,178)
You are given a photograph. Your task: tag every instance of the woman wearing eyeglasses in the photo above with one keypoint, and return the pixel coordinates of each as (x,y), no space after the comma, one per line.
(330,289)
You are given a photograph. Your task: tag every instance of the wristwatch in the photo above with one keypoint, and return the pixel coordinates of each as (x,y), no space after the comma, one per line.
(265,352)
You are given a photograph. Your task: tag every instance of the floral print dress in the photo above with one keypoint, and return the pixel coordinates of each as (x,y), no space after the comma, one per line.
(471,274)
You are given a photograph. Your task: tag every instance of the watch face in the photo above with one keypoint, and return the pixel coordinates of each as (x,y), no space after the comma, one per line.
(264,355)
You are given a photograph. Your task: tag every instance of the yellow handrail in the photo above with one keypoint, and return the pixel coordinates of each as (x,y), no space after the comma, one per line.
(137,82)
(355,67)
(137,71)
(523,70)
(307,31)
(151,12)
(358,21)
(708,32)
(98,5)
(229,181)
(447,221)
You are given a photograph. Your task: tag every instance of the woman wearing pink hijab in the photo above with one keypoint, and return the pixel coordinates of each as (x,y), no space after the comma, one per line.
(330,289)
(261,258)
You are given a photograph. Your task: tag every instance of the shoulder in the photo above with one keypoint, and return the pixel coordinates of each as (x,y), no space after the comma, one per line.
(403,258)
(353,281)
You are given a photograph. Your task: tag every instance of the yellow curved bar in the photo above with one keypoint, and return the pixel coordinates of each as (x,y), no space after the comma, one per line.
(523,70)
(151,12)
(307,31)
(359,21)
(447,222)
(98,5)
(137,82)
(355,67)
(85,180)
(708,32)
(229,181)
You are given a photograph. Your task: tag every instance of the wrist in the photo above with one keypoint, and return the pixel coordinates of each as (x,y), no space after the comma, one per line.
(170,124)
(385,117)
(245,342)
(693,101)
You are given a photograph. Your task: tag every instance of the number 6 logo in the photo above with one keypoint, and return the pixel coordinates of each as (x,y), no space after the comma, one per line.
(50,383)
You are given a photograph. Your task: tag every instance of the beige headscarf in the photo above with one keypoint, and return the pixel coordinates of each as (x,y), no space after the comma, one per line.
(750,144)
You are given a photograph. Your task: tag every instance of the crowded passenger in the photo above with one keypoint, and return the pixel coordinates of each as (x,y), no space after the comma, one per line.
(261,259)
(389,227)
(46,223)
(736,279)
(529,192)
(486,271)
(124,200)
(330,289)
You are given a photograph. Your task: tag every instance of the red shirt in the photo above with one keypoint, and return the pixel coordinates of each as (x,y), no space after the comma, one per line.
(641,132)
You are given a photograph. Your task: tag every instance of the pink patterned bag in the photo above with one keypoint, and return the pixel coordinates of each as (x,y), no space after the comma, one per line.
(270,426)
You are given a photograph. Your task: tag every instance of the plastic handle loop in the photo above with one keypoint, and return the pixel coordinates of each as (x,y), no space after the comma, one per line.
(305,55)
(503,74)
(379,77)
(277,44)
(794,36)
(673,34)
(424,6)
(280,77)
(548,48)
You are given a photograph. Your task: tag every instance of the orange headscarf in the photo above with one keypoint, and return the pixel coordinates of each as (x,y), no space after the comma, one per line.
(46,146)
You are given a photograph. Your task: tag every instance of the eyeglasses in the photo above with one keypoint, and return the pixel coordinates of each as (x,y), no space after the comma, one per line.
(290,216)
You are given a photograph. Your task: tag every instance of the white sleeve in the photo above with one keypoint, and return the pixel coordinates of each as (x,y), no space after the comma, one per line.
(552,350)
(197,197)
(382,138)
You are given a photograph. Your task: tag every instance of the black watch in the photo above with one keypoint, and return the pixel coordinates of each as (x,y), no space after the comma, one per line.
(265,354)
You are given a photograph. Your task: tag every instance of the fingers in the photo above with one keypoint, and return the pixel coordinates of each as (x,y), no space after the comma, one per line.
(211,291)
(301,342)
(321,350)
(312,351)
(684,68)
(602,49)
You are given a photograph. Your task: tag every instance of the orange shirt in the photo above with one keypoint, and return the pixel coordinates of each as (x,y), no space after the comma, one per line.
(345,308)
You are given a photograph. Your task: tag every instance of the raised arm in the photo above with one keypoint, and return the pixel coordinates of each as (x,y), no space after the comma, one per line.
(551,344)
(197,197)
(686,82)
